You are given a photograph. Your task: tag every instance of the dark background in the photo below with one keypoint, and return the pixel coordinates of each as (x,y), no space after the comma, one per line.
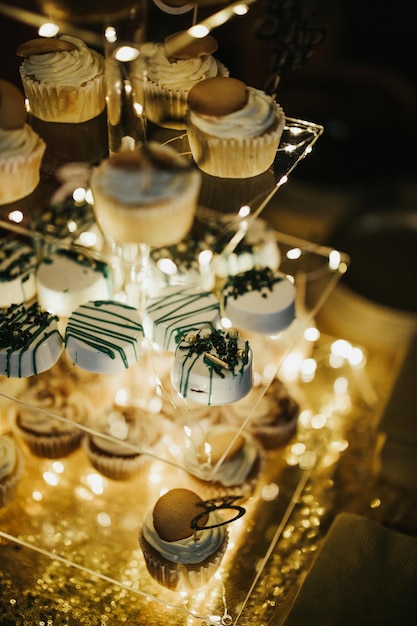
(360,82)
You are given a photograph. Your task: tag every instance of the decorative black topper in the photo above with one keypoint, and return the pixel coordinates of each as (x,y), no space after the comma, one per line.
(289,30)
(216,504)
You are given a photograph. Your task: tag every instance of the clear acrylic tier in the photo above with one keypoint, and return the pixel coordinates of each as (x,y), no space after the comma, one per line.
(69,540)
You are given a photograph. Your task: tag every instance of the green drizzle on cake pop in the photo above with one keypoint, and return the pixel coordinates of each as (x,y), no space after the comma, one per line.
(22,329)
(107,326)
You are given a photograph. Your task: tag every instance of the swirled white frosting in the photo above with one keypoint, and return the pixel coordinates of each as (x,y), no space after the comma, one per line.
(182,73)
(231,472)
(8,456)
(258,114)
(194,549)
(143,185)
(71,407)
(17,143)
(73,67)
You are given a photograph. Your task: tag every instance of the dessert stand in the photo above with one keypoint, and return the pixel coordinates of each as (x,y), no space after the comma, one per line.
(75,532)
(69,541)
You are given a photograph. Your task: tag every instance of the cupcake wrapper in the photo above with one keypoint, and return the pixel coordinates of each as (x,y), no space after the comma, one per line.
(117,468)
(19,176)
(51,446)
(271,437)
(235,158)
(177,576)
(53,103)
(167,107)
(9,485)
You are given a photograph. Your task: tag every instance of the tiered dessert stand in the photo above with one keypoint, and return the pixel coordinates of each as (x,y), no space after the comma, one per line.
(69,541)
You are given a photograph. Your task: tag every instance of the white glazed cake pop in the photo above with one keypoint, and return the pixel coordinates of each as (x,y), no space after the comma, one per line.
(212,367)
(259,300)
(104,336)
(17,272)
(30,342)
(177,311)
(67,279)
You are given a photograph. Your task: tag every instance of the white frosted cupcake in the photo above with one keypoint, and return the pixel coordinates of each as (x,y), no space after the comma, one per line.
(233,130)
(21,148)
(11,468)
(128,434)
(172,70)
(147,195)
(63,79)
(178,556)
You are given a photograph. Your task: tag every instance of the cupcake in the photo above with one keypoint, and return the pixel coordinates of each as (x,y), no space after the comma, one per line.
(222,461)
(101,390)
(21,148)
(122,435)
(272,419)
(174,66)
(64,83)
(49,417)
(177,555)
(11,468)
(233,130)
(63,79)
(147,195)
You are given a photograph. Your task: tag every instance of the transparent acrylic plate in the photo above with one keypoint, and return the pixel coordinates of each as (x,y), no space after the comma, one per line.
(69,546)
(74,526)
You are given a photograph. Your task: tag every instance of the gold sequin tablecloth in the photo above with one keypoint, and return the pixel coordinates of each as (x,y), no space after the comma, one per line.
(68,544)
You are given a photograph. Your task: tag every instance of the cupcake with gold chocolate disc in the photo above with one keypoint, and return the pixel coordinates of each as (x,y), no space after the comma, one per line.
(177,555)
(173,68)
(234,130)
(63,79)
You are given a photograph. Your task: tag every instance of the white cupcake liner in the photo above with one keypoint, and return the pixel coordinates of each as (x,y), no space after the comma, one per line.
(236,158)
(54,103)
(167,107)
(19,175)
